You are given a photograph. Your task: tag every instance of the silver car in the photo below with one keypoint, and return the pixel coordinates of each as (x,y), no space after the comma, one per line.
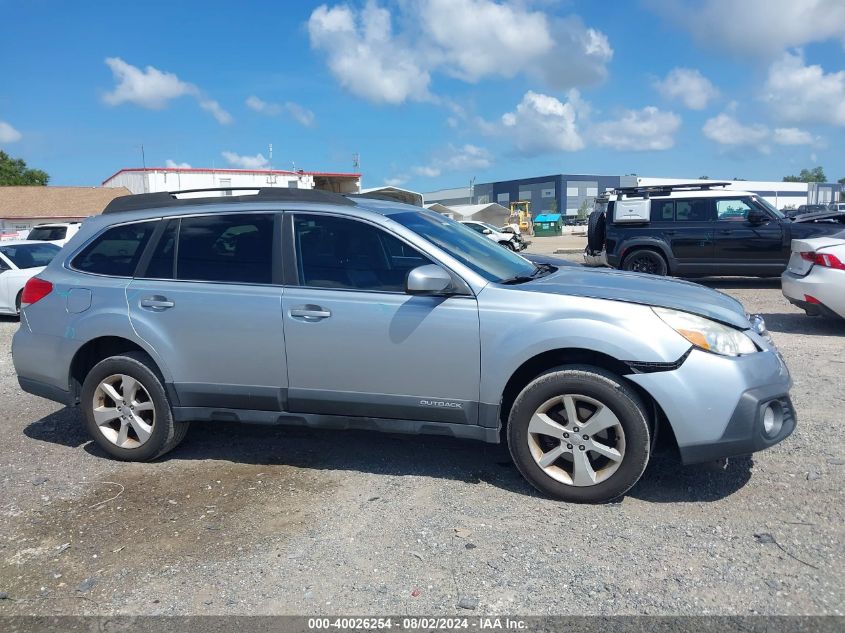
(312,308)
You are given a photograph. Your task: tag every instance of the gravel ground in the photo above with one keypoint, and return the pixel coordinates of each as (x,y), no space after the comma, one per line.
(267,520)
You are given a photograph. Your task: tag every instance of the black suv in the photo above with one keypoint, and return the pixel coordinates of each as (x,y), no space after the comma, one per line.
(698,230)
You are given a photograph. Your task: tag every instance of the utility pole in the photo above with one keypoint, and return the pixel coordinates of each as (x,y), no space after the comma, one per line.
(472,190)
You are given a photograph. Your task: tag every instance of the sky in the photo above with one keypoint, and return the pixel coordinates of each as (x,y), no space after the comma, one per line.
(428,93)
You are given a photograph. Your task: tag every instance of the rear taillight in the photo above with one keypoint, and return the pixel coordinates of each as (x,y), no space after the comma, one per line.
(35,290)
(823,259)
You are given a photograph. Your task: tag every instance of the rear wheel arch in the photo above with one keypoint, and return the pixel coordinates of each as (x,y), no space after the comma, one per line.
(98,349)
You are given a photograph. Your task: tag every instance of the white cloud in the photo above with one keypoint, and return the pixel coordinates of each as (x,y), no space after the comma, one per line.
(792,136)
(172,164)
(210,105)
(757,27)
(8,134)
(246,162)
(395,182)
(639,130)
(154,89)
(541,123)
(478,38)
(467,39)
(688,86)
(798,93)
(298,113)
(726,130)
(456,159)
(365,57)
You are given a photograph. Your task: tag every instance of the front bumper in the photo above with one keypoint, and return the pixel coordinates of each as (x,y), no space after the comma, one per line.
(715,404)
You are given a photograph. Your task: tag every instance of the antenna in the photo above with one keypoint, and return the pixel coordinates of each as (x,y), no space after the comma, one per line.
(270,159)
(143,158)
(472,190)
(356,161)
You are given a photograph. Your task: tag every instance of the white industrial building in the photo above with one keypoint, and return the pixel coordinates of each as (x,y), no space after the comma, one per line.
(780,194)
(156,179)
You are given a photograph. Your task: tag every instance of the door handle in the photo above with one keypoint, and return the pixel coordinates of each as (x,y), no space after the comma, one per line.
(156,303)
(310,313)
(670,232)
(725,231)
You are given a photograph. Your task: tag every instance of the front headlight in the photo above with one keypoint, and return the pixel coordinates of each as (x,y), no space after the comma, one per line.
(706,334)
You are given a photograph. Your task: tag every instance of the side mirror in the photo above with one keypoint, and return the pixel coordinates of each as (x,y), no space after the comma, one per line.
(755,216)
(430,279)
(487,232)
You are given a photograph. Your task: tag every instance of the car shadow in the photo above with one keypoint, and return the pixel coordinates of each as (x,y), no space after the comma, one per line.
(468,461)
(737,283)
(800,323)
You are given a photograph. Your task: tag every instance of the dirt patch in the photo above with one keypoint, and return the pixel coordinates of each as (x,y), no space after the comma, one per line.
(150,517)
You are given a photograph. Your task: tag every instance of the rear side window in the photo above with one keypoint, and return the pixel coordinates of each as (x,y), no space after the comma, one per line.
(116,251)
(693,211)
(226,248)
(30,255)
(162,263)
(47,233)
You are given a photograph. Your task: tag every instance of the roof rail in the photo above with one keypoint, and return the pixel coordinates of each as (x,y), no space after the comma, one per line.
(668,188)
(264,194)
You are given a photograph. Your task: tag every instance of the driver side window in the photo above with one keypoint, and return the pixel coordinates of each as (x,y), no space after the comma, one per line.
(334,252)
(733,210)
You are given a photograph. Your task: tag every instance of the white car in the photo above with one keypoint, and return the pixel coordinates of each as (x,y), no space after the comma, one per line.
(20,260)
(815,277)
(509,240)
(57,233)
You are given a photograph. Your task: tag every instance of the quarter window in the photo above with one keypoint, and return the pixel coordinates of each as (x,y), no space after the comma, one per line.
(116,251)
(662,210)
(339,253)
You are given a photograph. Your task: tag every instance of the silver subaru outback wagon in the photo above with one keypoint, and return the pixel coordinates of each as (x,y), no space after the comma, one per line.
(347,312)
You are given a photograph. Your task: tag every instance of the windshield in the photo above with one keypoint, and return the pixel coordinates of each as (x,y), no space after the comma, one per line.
(474,250)
(768,206)
(30,255)
(47,233)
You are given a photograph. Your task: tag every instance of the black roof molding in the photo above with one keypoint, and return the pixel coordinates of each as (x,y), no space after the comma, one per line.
(669,188)
(265,194)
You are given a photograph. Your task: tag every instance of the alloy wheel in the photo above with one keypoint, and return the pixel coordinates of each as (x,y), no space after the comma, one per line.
(576,440)
(124,411)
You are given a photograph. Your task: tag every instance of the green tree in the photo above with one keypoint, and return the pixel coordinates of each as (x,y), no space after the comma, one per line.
(808,175)
(13,171)
(704,177)
(552,206)
(841,181)
(584,210)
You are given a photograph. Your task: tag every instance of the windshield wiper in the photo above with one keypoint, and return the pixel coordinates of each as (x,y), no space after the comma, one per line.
(540,270)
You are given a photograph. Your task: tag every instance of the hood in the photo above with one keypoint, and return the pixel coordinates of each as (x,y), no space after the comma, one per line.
(663,292)
(815,216)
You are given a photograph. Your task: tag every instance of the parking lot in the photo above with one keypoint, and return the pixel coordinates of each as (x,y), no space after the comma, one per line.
(285,520)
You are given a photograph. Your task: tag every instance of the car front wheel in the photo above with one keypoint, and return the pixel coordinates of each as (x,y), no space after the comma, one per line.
(579,434)
(127,411)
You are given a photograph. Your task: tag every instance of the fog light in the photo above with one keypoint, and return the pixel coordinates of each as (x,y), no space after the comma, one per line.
(772,419)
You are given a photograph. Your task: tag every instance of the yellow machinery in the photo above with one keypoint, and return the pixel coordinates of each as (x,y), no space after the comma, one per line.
(521,215)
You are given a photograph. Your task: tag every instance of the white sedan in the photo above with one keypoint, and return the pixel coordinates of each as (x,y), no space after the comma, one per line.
(508,240)
(20,260)
(814,280)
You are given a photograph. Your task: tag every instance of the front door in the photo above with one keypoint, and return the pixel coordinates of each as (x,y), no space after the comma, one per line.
(207,303)
(357,345)
(741,245)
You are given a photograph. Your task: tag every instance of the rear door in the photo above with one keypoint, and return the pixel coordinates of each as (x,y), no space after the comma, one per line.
(691,234)
(208,297)
(743,246)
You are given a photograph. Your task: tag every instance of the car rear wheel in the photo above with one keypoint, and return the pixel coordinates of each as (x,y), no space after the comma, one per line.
(645,261)
(127,411)
(579,434)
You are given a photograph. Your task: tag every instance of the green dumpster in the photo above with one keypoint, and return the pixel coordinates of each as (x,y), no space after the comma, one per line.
(548,224)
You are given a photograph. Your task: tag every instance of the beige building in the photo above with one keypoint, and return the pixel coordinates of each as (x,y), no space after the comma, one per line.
(21,208)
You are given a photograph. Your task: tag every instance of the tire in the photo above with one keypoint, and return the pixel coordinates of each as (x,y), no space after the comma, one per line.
(18,304)
(508,245)
(596,231)
(594,392)
(645,260)
(153,432)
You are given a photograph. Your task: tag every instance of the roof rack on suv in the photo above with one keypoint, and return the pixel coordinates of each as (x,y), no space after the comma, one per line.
(264,194)
(646,190)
